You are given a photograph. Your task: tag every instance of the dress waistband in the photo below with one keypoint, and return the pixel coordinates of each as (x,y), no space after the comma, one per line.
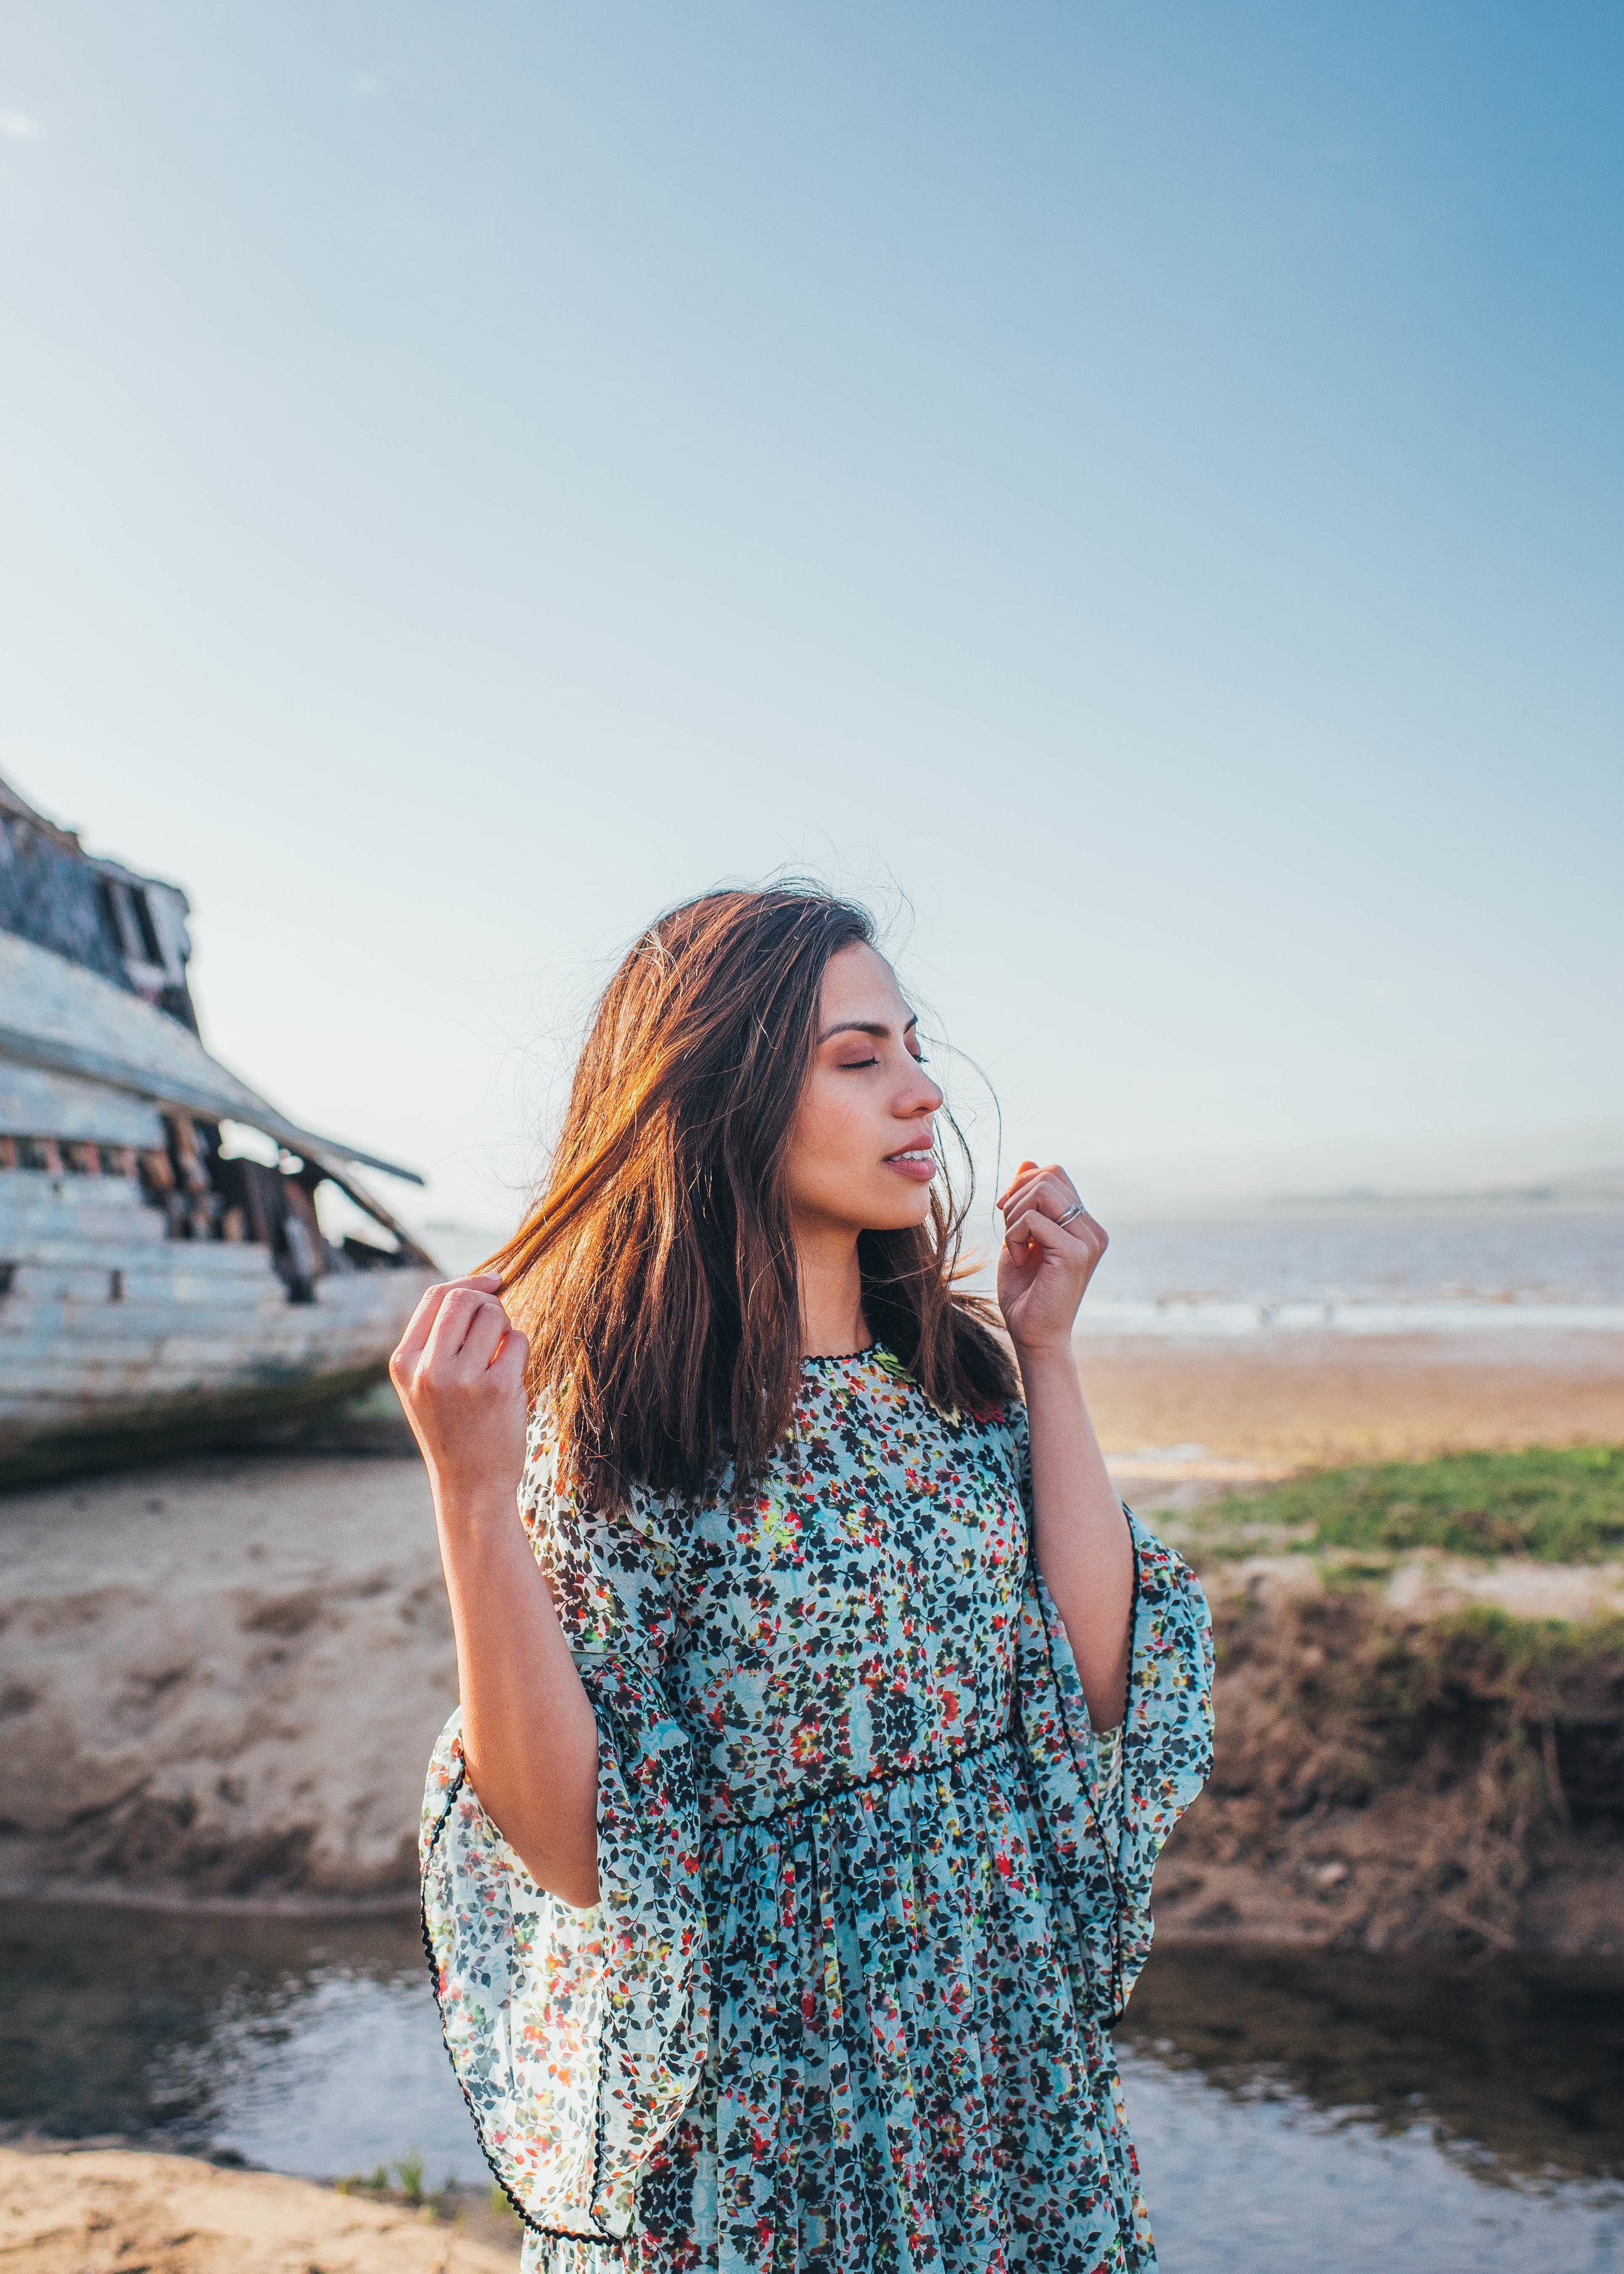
(942,1766)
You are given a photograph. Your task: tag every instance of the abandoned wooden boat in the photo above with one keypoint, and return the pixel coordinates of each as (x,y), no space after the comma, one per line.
(158,1284)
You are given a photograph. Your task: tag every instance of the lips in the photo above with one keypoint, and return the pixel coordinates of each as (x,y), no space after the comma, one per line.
(917,1161)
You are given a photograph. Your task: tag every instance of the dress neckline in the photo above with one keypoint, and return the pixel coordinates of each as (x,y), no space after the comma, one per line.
(843,1358)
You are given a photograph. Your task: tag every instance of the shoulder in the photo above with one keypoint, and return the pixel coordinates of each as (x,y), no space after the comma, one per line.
(995,1436)
(565,1527)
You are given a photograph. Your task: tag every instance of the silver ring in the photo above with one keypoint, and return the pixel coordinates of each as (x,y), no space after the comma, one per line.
(1076,1208)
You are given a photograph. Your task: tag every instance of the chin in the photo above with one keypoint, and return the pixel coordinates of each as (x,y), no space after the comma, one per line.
(900,1211)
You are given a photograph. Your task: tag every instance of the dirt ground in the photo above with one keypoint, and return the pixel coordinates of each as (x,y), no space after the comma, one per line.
(223,1677)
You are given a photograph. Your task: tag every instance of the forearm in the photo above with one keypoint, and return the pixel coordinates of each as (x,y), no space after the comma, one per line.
(529,1736)
(1084,1548)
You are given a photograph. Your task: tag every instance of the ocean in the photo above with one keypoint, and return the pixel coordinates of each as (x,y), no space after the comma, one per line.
(1371,1272)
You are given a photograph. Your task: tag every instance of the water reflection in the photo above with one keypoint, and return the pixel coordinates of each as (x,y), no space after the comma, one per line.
(1293,2110)
(309,2045)
(1522,2057)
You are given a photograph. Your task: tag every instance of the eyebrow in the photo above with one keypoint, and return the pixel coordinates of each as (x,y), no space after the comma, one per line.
(877,1027)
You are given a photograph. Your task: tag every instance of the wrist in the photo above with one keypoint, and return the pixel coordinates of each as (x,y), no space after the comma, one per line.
(470,1506)
(1041,1361)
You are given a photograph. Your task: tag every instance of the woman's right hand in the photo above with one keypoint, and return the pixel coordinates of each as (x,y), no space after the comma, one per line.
(459,1371)
(530,1739)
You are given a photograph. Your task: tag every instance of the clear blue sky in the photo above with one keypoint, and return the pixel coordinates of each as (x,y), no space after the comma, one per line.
(1146,483)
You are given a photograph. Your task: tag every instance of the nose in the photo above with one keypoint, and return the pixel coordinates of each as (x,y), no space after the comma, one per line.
(920,1095)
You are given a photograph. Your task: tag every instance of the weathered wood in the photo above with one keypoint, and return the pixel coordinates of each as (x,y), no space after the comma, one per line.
(79,1436)
(195,1326)
(152,1277)
(61,1018)
(134,1304)
(32,1101)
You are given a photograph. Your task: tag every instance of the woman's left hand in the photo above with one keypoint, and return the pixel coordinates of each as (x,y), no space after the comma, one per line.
(1044,1266)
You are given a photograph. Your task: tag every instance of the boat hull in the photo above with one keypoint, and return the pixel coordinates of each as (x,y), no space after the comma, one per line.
(117,1343)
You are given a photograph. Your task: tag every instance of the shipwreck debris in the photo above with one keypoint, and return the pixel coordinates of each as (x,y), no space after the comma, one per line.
(158,1284)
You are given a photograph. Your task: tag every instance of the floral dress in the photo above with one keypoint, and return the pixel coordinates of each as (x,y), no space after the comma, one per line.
(872,1891)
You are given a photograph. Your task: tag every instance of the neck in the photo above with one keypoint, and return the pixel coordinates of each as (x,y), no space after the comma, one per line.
(832,1311)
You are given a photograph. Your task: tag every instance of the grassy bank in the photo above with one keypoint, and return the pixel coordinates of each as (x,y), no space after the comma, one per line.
(1559,1504)
(1392,1779)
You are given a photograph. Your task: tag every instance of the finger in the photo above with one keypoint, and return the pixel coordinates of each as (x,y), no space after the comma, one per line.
(1018,1197)
(1051,1190)
(1030,1175)
(411,1344)
(1027,1170)
(420,1324)
(484,1322)
(455,1321)
(510,1359)
(1089,1240)
(483,1337)
(1036,1230)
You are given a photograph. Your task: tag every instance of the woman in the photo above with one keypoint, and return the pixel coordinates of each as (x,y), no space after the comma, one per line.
(781,1878)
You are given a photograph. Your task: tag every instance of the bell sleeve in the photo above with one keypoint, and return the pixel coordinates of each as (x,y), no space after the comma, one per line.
(578,2036)
(1107,1800)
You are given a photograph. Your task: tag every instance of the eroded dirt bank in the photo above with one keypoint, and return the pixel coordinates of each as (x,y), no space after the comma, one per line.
(1388,1779)
(222,1678)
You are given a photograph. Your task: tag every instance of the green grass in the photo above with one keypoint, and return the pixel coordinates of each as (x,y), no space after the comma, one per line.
(1560,1505)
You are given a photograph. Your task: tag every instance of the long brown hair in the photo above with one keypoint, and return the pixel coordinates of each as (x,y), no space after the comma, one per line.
(656,1274)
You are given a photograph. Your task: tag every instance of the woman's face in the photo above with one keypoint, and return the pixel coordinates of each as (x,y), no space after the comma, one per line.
(860,1158)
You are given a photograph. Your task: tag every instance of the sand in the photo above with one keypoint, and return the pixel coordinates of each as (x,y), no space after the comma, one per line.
(222,1677)
(1268,1405)
(111,2211)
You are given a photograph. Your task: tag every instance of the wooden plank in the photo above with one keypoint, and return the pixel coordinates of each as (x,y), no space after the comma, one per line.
(73,1326)
(36,1103)
(65,1019)
(147,1282)
(120,1255)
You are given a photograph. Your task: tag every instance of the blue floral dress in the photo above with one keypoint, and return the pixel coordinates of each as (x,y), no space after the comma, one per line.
(872,1890)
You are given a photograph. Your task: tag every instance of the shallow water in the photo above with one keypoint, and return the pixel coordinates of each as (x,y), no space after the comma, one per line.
(1292,2112)
(1319,2110)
